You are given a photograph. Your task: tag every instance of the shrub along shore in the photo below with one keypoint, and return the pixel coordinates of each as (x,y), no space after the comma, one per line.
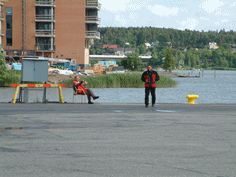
(130,80)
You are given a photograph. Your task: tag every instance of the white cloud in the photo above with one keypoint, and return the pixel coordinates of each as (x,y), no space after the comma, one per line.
(121,19)
(163,11)
(189,23)
(184,10)
(211,5)
(207,19)
(148,7)
(224,20)
(133,16)
(220,13)
(114,6)
(137,4)
(123,5)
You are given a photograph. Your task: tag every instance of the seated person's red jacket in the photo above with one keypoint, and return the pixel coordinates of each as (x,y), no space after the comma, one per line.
(79,86)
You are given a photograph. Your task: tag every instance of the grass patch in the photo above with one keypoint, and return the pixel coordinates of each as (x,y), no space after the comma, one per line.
(130,80)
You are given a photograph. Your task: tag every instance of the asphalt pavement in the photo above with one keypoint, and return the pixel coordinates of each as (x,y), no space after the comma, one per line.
(58,140)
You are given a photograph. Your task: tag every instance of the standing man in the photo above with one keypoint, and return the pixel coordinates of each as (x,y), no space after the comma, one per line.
(150,77)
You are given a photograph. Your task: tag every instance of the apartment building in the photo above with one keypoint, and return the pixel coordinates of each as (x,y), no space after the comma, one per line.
(60,29)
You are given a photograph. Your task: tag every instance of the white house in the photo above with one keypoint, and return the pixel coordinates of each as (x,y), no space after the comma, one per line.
(155,43)
(147,45)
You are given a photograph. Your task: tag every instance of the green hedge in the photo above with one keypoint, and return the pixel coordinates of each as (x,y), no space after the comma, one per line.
(9,78)
(119,81)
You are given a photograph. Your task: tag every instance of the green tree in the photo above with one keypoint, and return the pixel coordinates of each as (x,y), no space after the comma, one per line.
(142,49)
(92,62)
(154,61)
(234,60)
(141,39)
(169,62)
(132,61)
(223,62)
(226,47)
(206,64)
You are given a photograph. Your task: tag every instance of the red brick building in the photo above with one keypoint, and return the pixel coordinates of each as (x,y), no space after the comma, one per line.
(50,28)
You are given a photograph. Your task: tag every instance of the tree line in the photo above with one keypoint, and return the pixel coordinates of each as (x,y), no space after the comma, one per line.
(187,46)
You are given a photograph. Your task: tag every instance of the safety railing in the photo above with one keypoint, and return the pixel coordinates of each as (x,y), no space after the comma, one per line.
(45,47)
(18,86)
(92,34)
(93,4)
(44,33)
(45,17)
(92,19)
(45,3)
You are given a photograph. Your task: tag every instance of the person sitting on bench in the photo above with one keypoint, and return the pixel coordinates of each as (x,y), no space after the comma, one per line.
(79,88)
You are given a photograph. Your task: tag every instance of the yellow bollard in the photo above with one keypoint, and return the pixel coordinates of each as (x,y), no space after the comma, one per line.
(191,98)
(61,99)
(15,95)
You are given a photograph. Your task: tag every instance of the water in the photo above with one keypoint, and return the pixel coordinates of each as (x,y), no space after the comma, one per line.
(210,89)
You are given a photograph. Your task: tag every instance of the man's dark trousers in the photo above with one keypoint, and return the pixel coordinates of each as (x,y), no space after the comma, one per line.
(147,91)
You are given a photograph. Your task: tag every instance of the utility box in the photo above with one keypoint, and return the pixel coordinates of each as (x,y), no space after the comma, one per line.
(34,70)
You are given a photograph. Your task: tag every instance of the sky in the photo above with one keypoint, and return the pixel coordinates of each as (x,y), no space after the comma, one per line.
(206,15)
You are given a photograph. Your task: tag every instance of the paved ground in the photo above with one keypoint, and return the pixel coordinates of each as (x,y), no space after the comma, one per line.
(117,140)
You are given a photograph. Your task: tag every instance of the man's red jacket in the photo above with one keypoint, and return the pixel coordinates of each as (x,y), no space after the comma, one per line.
(151,77)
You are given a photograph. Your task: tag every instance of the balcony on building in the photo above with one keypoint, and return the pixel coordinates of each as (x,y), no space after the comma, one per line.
(93,4)
(44,33)
(1,32)
(45,18)
(43,3)
(92,35)
(92,19)
(45,48)
(2,16)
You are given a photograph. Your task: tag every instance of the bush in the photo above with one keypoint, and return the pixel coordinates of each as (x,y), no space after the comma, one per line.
(2,67)
(9,78)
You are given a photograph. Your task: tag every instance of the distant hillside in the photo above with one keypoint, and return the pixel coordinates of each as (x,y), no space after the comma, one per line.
(138,36)
(189,48)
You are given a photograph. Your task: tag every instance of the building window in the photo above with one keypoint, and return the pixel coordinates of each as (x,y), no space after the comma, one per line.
(9,41)
(44,43)
(9,26)
(86,44)
(44,25)
(9,11)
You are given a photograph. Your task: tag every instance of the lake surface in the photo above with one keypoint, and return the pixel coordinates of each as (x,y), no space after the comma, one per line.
(210,89)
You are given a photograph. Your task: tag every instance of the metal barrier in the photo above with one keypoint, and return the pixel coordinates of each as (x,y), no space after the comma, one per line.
(18,86)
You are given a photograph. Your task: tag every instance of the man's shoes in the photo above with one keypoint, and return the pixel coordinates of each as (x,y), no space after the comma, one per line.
(153,105)
(90,102)
(146,105)
(95,97)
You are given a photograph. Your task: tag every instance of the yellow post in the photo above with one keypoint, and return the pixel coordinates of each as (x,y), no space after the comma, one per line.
(191,98)
(61,99)
(15,95)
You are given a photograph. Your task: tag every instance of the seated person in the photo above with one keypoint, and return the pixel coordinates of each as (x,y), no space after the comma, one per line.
(79,86)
